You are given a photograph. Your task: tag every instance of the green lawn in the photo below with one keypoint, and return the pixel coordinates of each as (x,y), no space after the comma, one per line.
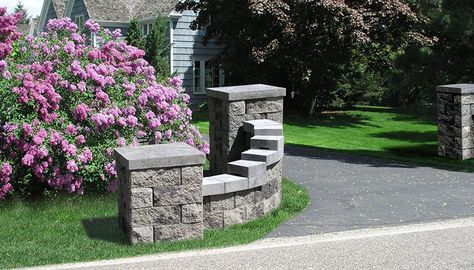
(73,229)
(367,130)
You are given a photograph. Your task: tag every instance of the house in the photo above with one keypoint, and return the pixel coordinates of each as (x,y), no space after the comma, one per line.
(189,58)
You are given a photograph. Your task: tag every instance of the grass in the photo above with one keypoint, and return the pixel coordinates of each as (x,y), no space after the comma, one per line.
(74,229)
(368,130)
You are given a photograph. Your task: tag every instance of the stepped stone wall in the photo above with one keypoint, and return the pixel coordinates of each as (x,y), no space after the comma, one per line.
(162,192)
(455,121)
(229,107)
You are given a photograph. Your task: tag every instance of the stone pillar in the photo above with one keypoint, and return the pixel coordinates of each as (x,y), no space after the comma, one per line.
(160,192)
(228,108)
(455,122)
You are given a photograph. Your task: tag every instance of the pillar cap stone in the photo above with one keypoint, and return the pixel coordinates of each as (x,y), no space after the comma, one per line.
(462,88)
(244,92)
(158,156)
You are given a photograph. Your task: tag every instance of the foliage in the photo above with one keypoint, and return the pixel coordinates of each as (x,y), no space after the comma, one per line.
(20,9)
(306,45)
(66,105)
(157,48)
(134,35)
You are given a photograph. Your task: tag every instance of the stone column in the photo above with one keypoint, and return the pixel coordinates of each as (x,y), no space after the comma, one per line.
(228,108)
(455,122)
(160,192)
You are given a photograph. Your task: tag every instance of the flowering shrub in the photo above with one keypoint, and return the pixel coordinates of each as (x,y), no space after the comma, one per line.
(66,105)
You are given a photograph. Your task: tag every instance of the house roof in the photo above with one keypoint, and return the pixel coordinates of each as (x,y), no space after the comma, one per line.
(125,10)
(59,7)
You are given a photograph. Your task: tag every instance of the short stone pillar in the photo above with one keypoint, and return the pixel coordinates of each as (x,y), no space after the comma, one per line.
(229,107)
(455,122)
(160,192)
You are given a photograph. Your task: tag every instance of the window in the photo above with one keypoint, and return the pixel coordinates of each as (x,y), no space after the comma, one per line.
(146,29)
(206,75)
(79,20)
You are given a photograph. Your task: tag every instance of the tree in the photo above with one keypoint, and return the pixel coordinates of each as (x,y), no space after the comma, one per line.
(306,46)
(134,35)
(157,49)
(20,8)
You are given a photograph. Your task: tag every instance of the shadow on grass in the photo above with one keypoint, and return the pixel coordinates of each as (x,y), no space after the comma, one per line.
(104,228)
(408,136)
(413,156)
(334,119)
(421,116)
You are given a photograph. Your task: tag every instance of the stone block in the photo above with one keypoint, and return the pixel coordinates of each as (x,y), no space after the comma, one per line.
(462,121)
(268,142)
(173,195)
(277,117)
(191,175)
(212,186)
(155,177)
(235,216)
(245,92)
(468,153)
(274,171)
(441,150)
(262,155)
(236,108)
(158,156)
(155,215)
(222,202)
(245,197)
(269,189)
(214,219)
(447,119)
(140,235)
(178,232)
(255,211)
(191,213)
(246,168)
(268,105)
(271,203)
(141,198)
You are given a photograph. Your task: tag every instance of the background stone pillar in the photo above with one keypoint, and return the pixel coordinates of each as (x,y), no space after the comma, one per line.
(160,192)
(455,122)
(229,107)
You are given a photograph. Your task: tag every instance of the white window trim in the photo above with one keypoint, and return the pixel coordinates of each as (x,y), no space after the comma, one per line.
(202,76)
(83,22)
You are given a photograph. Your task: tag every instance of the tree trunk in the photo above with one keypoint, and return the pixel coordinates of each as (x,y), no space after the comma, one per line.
(312,108)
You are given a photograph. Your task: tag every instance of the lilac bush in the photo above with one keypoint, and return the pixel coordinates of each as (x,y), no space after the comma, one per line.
(66,105)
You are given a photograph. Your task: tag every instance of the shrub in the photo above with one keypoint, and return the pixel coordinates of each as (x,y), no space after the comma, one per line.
(66,105)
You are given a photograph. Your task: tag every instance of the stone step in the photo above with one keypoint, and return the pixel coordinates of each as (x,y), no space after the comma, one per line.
(267,156)
(267,142)
(223,183)
(263,127)
(247,168)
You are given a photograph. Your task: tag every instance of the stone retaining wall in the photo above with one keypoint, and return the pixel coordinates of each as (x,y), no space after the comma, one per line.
(455,122)
(242,206)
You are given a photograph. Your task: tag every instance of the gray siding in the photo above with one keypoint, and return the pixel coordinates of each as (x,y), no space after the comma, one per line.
(78,9)
(187,48)
(50,15)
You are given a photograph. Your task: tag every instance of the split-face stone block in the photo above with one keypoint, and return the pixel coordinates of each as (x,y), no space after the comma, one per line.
(192,213)
(156,177)
(177,195)
(141,198)
(178,232)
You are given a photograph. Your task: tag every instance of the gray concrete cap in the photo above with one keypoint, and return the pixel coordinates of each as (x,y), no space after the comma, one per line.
(158,156)
(462,88)
(244,92)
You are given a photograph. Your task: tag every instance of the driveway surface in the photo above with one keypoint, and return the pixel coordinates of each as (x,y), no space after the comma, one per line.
(444,245)
(353,192)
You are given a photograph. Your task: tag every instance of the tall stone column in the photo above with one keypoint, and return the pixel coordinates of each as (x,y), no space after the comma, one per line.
(455,122)
(160,192)
(229,107)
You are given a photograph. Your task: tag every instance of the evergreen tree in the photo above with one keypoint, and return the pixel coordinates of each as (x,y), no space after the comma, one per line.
(157,49)
(134,35)
(20,8)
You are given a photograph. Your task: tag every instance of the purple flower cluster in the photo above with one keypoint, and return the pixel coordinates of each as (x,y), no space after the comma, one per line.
(8,32)
(66,105)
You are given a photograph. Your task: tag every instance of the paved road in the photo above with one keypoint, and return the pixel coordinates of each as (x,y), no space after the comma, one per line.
(444,245)
(353,192)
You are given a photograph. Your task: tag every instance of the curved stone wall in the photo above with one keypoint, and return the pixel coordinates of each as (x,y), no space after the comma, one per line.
(252,187)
